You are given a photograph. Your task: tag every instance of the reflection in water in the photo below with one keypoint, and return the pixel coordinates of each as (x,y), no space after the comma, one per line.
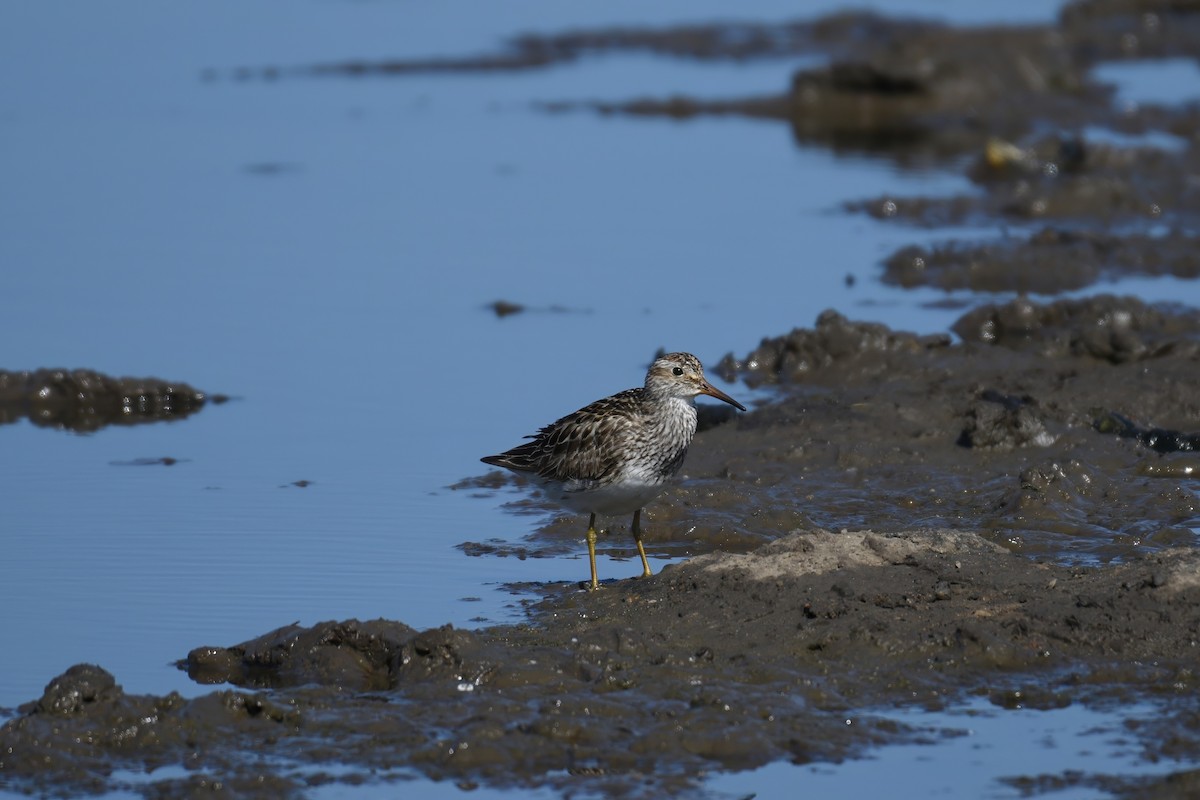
(83,400)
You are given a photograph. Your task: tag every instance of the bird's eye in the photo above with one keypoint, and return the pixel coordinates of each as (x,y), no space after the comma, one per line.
(677,371)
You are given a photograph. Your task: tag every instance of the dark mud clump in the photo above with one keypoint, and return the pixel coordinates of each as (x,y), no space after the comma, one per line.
(83,401)
(804,351)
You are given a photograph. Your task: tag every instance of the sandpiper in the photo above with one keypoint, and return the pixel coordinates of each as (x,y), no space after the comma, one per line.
(617,454)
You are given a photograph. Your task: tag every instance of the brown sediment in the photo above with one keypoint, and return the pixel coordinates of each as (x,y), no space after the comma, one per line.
(83,400)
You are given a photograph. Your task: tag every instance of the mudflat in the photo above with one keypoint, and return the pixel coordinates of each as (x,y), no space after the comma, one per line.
(909,522)
(1005,510)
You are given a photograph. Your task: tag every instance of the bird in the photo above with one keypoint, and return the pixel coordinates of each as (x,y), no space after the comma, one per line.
(617,454)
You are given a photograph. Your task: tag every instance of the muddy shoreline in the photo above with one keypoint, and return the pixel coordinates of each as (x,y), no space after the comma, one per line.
(954,471)
(1007,510)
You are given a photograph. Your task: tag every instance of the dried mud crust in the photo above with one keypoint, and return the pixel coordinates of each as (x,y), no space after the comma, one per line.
(723,662)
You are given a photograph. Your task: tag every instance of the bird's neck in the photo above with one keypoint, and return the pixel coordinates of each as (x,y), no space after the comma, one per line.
(676,419)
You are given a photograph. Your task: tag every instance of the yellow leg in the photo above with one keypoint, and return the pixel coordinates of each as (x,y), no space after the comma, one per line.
(591,540)
(637,537)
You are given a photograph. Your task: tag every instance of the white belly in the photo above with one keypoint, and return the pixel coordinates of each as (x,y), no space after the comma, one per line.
(621,497)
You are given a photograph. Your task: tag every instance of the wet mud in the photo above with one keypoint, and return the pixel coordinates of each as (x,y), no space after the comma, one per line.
(909,521)
(728,661)
(1053,260)
(1007,510)
(83,400)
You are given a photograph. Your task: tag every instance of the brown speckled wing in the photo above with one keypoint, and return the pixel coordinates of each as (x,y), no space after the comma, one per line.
(587,445)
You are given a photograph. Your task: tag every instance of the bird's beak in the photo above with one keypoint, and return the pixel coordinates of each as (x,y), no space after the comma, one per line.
(712,391)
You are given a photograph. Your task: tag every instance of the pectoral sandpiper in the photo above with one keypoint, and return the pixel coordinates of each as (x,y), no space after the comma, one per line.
(617,454)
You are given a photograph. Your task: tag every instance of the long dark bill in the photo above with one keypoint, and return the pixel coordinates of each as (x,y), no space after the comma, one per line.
(712,391)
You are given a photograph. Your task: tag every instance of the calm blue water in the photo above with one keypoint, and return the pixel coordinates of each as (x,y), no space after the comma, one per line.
(1164,82)
(968,749)
(322,251)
